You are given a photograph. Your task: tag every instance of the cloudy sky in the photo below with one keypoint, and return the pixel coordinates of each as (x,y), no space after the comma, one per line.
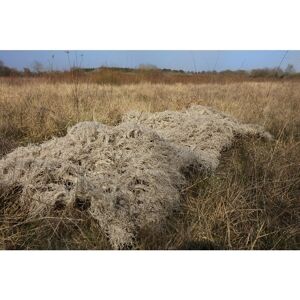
(186,60)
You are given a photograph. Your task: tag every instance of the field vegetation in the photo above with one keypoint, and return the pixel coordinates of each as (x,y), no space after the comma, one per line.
(252,201)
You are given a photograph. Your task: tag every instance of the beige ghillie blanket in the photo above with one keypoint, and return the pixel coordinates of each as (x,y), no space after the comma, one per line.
(204,131)
(127,176)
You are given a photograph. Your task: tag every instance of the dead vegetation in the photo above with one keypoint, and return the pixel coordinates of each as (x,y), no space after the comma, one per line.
(250,202)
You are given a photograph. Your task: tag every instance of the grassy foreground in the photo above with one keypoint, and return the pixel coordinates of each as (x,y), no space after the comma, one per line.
(251,202)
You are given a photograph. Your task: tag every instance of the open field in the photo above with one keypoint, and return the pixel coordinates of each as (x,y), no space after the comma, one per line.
(252,201)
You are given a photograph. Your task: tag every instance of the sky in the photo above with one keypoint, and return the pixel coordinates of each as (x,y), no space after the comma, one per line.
(201,60)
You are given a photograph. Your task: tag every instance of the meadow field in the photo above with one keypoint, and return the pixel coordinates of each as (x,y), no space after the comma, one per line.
(252,201)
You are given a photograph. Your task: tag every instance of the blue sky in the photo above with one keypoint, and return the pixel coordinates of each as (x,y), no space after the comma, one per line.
(186,60)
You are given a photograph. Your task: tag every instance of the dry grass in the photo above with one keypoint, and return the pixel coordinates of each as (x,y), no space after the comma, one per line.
(251,202)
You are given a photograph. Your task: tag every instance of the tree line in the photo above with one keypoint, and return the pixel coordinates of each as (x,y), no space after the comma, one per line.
(37,68)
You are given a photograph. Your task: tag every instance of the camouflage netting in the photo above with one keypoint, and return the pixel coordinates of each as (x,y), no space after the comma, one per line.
(126,177)
(204,131)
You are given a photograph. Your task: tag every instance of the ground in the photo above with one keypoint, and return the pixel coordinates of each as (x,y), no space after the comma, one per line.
(251,202)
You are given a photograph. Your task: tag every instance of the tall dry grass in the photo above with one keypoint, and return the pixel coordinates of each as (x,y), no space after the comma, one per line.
(252,202)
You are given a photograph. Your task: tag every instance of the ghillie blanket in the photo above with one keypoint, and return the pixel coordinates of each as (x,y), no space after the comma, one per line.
(127,176)
(204,131)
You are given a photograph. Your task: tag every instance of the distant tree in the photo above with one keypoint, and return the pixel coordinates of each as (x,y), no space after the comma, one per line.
(5,71)
(27,71)
(268,73)
(37,67)
(278,72)
(290,69)
(148,67)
